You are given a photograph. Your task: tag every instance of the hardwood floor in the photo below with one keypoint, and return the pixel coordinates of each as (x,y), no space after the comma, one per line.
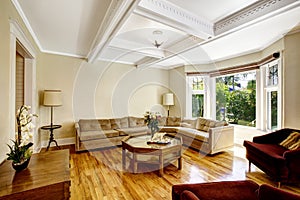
(98,174)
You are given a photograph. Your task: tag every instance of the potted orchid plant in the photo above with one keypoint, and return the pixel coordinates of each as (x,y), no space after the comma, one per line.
(20,151)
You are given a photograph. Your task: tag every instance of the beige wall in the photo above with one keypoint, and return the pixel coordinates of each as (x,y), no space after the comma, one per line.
(98,90)
(178,87)
(7,13)
(57,72)
(291,81)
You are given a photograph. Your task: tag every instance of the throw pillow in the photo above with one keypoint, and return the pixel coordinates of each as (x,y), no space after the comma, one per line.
(290,140)
(295,145)
(173,121)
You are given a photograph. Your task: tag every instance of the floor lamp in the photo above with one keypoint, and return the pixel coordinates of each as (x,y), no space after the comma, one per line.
(168,100)
(52,98)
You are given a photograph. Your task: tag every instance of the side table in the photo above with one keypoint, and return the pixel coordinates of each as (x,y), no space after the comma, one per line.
(47,177)
(51,139)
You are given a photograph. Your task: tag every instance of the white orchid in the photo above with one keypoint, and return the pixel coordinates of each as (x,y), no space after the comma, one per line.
(21,151)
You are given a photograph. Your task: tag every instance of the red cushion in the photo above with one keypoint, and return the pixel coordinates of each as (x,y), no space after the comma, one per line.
(231,190)
(273,150)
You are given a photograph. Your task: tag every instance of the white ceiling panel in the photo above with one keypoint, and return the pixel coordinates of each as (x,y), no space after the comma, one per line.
(65,26)
(122,31)
(121,56)
(253,38)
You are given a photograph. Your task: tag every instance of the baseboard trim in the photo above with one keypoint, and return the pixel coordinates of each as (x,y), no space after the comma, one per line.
(60,142)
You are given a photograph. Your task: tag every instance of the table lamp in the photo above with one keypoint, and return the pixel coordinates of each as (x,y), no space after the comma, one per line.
(52,98)
(168,100)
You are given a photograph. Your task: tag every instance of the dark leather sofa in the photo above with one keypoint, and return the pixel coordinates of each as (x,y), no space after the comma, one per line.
(231,190)
(275,160)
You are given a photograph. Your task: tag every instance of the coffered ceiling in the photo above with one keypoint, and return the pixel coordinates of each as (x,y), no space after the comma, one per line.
(191,32)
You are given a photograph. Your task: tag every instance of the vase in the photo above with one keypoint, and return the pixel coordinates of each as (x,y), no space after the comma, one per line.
(21,166)
(152,131)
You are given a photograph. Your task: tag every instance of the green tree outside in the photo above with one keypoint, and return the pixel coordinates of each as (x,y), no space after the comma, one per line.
(234,103)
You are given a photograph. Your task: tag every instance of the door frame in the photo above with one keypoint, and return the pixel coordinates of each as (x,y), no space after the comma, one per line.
(17,36)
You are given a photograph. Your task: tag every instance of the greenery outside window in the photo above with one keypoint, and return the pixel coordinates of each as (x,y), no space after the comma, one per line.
(272,95)
(236,98)
(196,96)
(272,75)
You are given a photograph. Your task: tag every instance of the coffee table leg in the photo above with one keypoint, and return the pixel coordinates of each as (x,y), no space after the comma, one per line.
(179,163)
(123,159)
(134,163)
(161,165)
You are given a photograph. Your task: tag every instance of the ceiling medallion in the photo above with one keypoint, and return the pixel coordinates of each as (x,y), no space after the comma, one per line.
(158,38)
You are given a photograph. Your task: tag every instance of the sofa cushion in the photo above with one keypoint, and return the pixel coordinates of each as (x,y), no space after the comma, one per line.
(119,123)
(162,121)
(169,129)
(105,124)
(129,131)
(224,190)
(267,150)
(173,121)
(290,140)
(188,123)
(94,135)
(89,125)
(136,122)
(193,133)
(203,124)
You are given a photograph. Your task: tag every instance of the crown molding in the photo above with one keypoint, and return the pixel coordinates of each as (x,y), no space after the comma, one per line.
(261,9)
(116,15)
(26,22)
(64,54)
(167,13)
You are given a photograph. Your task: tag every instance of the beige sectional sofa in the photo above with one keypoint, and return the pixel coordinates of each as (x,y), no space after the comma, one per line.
(208,136)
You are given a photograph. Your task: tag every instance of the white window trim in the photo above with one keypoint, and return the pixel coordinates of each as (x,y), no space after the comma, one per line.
(206,92)
(263,109)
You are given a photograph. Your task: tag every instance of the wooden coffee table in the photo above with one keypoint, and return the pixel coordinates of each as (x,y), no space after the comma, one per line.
(138,151)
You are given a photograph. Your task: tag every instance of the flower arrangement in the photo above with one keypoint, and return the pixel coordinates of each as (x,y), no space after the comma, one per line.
(151,120)
(20,150)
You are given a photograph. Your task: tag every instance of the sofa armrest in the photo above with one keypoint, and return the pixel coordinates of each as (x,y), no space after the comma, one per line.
(77,128)
(269,192)
(293,162)
(77,136)
(188,195)
(274,137)
(220,138)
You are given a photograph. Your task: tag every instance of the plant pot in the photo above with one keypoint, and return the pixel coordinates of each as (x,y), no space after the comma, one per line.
(21,166)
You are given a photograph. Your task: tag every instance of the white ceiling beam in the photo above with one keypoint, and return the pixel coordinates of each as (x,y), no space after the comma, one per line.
(116,15)
(150,52)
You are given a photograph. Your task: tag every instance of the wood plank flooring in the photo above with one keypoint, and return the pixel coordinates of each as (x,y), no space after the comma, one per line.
(98,174)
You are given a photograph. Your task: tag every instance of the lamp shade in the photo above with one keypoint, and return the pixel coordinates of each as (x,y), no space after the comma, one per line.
(52,98)
(168,99)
